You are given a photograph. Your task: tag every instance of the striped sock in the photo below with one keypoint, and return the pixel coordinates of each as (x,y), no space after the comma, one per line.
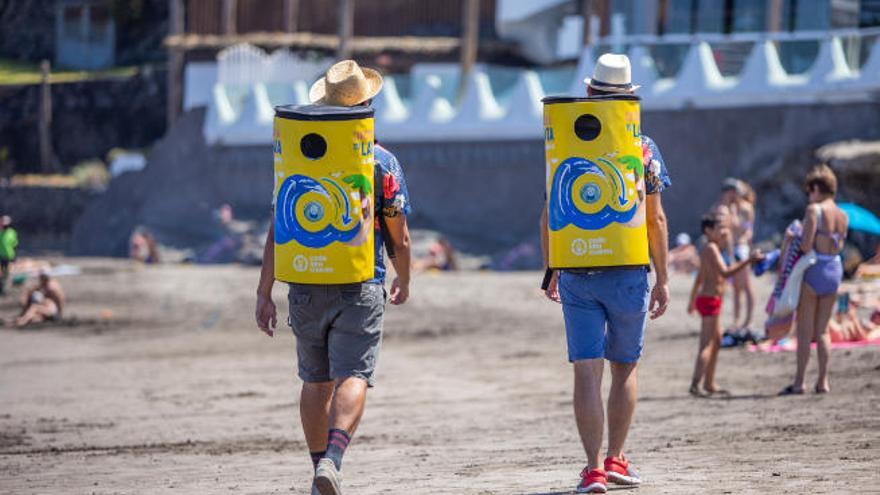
(316,456)
(337,441)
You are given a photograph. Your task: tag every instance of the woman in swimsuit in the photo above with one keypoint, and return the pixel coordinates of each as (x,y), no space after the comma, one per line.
(825,228)
(743,206)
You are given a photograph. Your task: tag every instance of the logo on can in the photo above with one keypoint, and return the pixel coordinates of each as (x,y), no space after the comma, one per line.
(300,263)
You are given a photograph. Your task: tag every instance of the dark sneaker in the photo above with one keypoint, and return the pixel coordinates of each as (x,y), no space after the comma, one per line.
(328,479)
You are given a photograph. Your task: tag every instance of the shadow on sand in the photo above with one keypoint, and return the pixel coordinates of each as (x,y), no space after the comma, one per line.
(721,397)
(611,488)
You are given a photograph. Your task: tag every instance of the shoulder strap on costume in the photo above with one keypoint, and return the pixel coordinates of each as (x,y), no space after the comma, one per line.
(378,194)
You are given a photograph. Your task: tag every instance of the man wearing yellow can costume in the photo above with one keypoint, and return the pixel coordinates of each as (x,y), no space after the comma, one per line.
(335,204)
(602,220)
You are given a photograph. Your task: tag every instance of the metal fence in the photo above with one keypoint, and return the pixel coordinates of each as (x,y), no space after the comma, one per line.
(371,17)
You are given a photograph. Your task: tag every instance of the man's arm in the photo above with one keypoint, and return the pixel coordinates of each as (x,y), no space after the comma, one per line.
(545,241)
(398,232)
(265,312)
(658,246)
(552,289)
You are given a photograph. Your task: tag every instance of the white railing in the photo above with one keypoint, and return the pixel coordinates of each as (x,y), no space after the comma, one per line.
(242,113)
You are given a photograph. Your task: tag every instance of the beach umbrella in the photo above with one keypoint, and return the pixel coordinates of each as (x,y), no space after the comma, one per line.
(860,218)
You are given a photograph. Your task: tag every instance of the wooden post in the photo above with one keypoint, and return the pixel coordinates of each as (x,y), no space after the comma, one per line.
(602,9)
(230,16)
(345,13)
(175,62)
(45,119)
(291,15)
(661,17)
(586,15)
(470,34)
(774,16)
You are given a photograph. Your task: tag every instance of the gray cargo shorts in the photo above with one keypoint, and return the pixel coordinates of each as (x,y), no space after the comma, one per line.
(338,329)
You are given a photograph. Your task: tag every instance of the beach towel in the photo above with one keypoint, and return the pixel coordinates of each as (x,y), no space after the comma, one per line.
(791,293)
(777,327)
(790,345)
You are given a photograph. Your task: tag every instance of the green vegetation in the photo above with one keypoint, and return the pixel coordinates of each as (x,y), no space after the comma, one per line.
(16,72)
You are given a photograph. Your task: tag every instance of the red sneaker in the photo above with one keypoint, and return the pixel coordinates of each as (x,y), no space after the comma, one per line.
(593,481)
(621,472)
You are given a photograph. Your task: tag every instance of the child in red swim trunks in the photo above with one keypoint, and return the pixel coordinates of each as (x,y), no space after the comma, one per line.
(706,299)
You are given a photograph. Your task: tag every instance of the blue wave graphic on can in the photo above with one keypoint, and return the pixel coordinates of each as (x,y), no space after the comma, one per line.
(287,226)
(562,209)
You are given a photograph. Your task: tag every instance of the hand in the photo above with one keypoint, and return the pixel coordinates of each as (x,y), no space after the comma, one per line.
(659,300)
(756,256)
(265,314)
(692,307)
(399,292)
(552,291)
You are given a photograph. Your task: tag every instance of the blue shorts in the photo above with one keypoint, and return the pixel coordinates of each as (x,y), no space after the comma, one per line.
(605,313)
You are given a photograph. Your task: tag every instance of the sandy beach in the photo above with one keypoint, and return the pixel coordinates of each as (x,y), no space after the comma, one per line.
(159,382)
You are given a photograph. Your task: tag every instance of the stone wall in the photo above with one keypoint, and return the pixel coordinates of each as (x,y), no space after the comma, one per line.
(88,118)
(44,216)
(28,28)
(487,197)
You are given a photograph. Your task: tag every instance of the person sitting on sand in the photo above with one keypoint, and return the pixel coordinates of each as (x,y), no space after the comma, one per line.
(706,297)
(143,248)
(441,256)
(41,302)
(684,258)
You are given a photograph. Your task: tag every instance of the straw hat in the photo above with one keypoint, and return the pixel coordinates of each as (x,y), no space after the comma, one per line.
(612,73)
(346,84)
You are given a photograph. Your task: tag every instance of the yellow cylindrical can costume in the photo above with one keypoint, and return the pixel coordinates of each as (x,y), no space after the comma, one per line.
(324,230)
(595,182)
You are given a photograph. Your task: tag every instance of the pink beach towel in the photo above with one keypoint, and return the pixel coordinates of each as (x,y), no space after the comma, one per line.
(791,345)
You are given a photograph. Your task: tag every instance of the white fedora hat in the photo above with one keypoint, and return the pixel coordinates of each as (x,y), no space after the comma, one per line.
(346,84)
(612,73)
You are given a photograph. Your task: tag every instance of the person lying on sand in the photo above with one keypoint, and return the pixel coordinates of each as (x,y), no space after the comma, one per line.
(869,268)
(706,297)
(41,302)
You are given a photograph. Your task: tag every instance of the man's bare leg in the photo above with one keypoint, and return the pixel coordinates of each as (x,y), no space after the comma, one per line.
(314,412)
(346,409)
(348,402)
(588,410)
(621,405)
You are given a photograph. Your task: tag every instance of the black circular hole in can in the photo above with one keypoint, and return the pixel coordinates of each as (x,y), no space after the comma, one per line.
(587,127)
(313,146)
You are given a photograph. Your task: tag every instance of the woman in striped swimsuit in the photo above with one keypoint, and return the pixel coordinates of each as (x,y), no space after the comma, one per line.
(825,228)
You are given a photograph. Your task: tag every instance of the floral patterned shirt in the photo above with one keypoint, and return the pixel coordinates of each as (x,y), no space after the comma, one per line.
(395,201)
(656,177)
